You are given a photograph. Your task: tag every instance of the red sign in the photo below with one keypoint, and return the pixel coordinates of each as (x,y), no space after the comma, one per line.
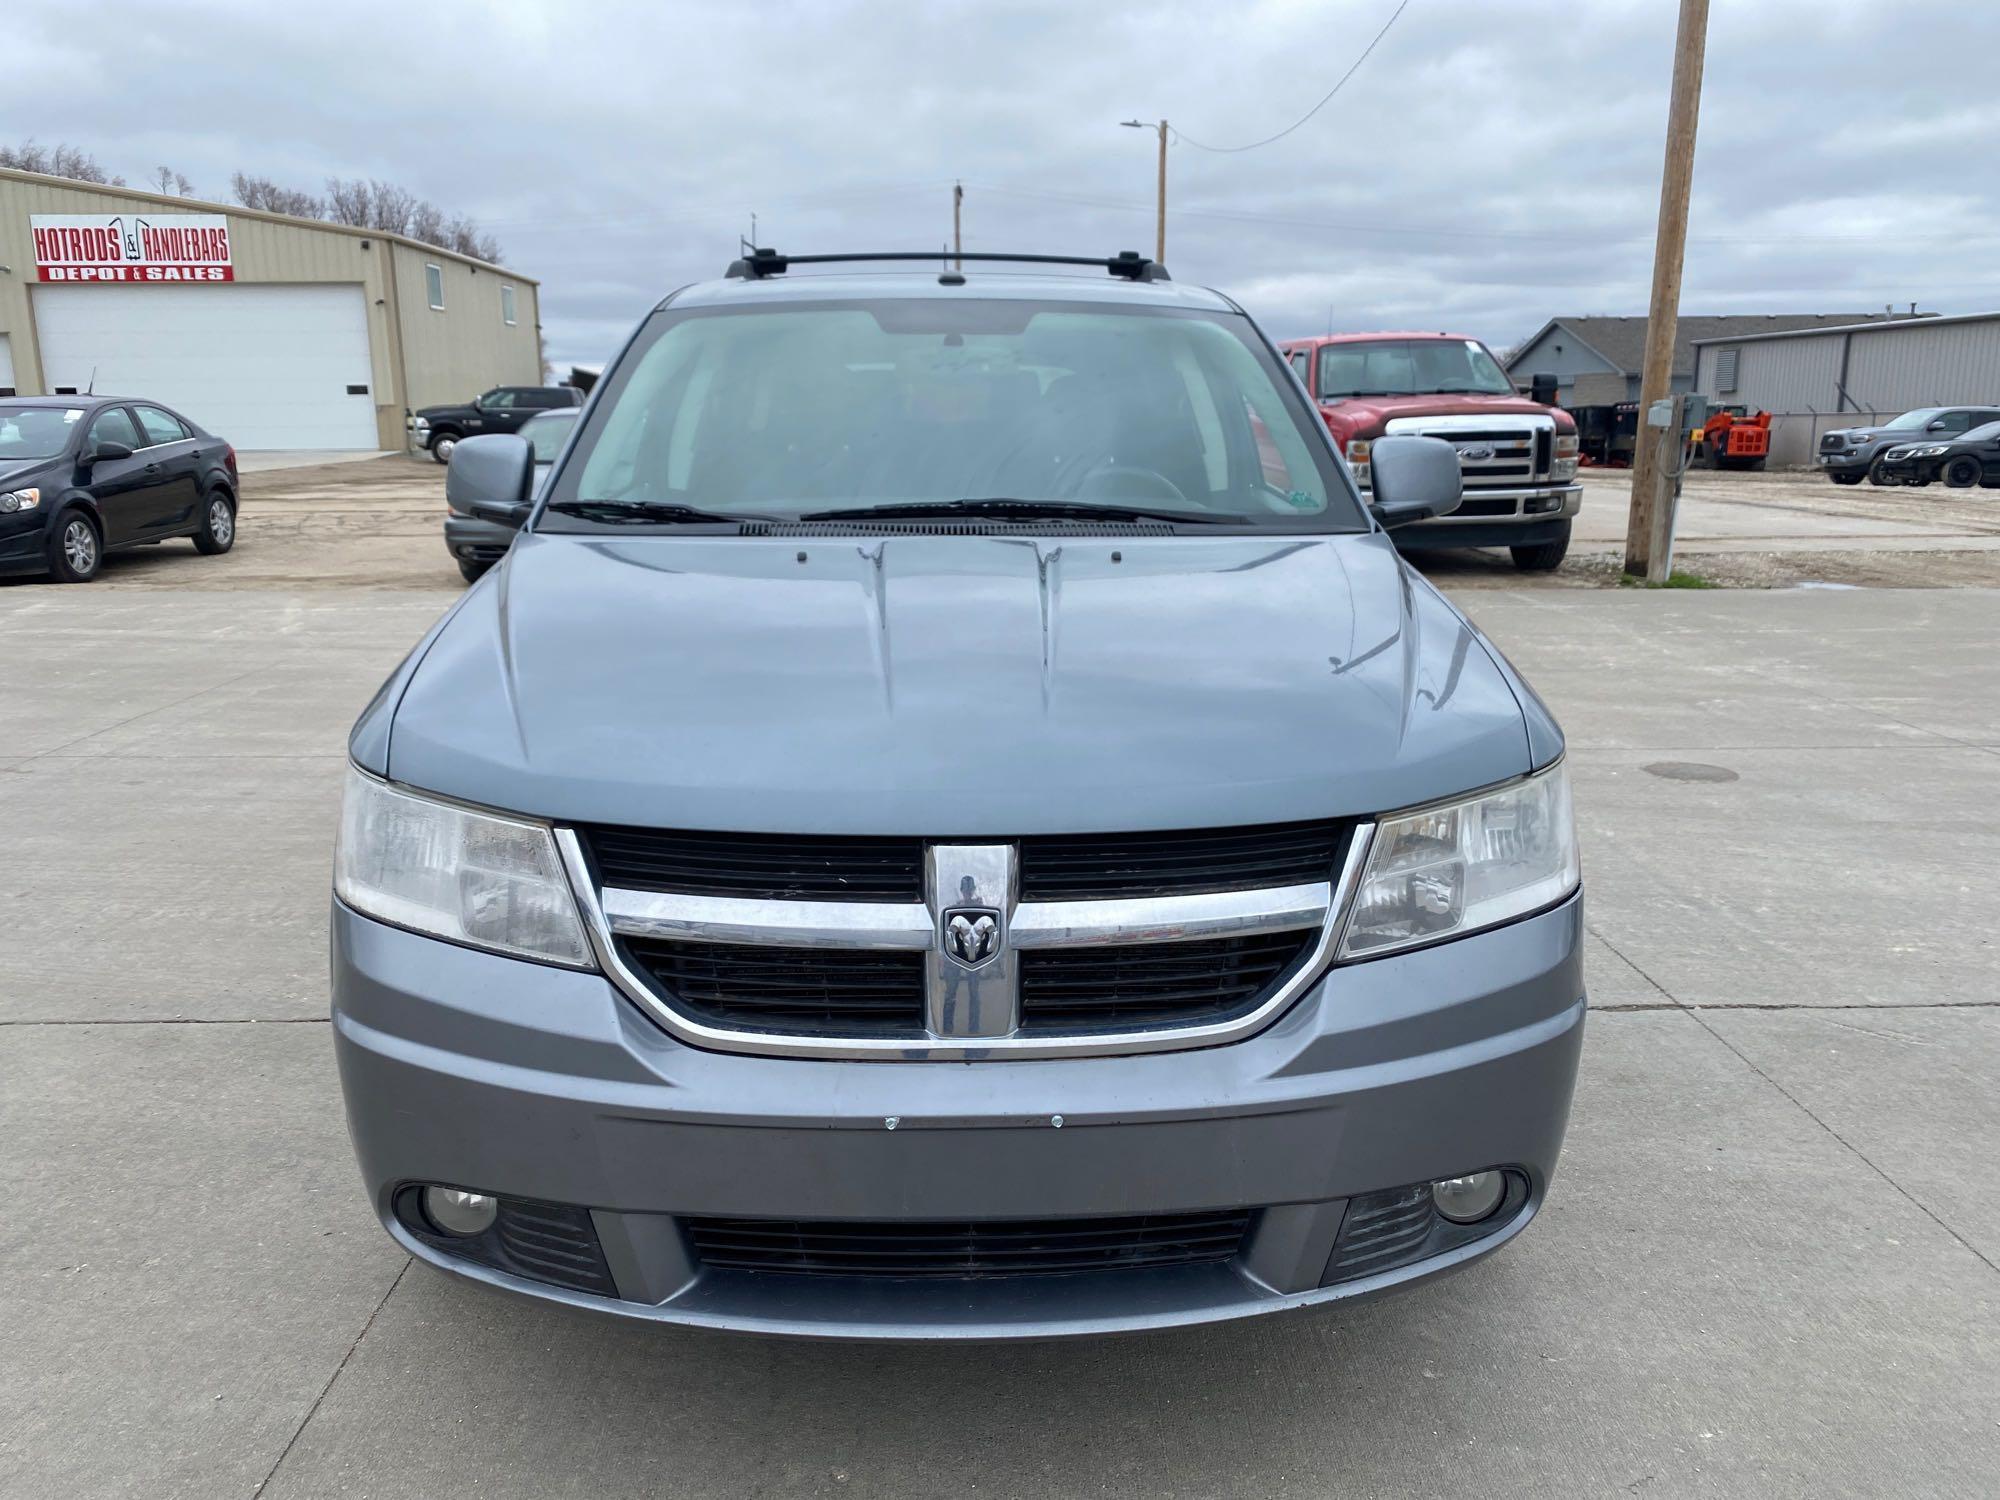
(132,247)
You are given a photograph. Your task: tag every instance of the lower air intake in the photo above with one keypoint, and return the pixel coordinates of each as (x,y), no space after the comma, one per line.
(966,1249)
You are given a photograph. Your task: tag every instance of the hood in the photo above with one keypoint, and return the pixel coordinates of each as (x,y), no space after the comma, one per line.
(976,686)
(1375,411)
(454,409)
(26,472)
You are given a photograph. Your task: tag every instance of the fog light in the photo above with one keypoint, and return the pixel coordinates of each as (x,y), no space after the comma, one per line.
(458,1212)
(1467,1200)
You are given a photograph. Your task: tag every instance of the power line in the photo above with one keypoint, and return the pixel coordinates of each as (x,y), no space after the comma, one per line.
(1230,150)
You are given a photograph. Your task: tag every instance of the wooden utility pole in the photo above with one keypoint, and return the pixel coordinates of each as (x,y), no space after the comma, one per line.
(1160,212)
(1663,317)
(1160,227)
(957,238)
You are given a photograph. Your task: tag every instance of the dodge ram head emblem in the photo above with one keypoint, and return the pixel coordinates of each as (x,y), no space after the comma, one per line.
(1477,453)
(971,936)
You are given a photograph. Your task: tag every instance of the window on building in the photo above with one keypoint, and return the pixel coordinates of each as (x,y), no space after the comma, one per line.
(1726,361)
(507,305)
(434,284)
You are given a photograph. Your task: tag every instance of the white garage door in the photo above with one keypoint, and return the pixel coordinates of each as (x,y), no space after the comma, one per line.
(262,366)
(6,365)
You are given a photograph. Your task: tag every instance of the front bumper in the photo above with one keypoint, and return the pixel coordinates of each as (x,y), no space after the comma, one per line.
(519,1080)
(1499,518)
(1847,460)
(473,540)
(24,540)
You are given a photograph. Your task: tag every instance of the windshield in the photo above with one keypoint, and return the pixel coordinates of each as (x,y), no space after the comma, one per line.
(1910,421)
(925,404)
(1410,367)
(30,432)
(547,433)
(1987,434)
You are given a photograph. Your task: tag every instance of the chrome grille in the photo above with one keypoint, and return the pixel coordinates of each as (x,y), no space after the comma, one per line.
(1494,453)
(1048,946)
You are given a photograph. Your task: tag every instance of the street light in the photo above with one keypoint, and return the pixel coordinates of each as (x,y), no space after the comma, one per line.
(1160,227)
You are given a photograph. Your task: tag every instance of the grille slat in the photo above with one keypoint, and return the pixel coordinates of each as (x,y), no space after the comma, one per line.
(774,867)
(1382,1230)
(1109,867)
(746,984)
(966,1249)
(1153,984)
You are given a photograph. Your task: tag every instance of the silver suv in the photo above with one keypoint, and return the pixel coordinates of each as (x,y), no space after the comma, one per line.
(953,820)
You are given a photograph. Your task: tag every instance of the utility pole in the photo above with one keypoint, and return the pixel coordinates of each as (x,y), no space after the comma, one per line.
(957,238)
(1642,556)
(1160,213)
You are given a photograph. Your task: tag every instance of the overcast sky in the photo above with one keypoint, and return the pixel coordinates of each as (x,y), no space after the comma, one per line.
(1494,163)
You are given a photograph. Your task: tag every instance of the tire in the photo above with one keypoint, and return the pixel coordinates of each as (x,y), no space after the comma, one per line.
(1962,473)
(472,571)
(1875,475)
(76,551)
(1543,557)
(1846,478)
(442,443)
(218,526)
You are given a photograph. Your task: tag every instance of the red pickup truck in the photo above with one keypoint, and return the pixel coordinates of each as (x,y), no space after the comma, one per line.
(1518,456)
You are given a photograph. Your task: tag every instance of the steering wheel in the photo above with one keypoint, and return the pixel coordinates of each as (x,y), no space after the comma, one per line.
(1111,480)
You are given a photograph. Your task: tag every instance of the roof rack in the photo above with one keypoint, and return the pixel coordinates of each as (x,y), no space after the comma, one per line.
(763,262)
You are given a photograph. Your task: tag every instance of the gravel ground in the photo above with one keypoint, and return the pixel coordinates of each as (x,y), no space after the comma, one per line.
(376,524)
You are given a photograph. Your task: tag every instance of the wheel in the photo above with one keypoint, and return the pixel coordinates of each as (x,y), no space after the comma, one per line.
(1845,478)
(1962,473)
(1875,474)
(472,570)
(1543,557)
(218,526)
(76,551)
(441,445)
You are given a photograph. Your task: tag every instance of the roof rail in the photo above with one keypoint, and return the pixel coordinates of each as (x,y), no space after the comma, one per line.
(1130,264)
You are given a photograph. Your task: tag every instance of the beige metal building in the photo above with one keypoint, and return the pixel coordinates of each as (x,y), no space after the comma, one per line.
(271,331)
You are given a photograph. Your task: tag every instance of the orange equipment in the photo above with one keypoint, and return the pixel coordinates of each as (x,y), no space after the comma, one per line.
(1732,439)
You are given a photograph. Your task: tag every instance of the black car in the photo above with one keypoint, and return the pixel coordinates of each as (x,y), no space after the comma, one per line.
(1852,454)
(1969,459)
(502,409)
(476,544)
(81,476)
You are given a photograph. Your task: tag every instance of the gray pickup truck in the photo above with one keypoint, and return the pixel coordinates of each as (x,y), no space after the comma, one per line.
(953,820)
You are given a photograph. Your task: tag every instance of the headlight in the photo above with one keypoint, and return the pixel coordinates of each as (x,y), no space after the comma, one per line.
(1564,468)
(1449,870)
(468,877)
(1933,451)
(1567,445)
(18,500)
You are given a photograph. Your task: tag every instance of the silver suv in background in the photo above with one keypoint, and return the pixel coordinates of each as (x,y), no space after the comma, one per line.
(953,820)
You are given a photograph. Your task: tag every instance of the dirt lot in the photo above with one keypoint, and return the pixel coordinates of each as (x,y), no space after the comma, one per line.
(376,524)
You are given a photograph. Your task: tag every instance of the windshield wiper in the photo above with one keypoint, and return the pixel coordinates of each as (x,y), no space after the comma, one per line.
(1008,509)
(646,512)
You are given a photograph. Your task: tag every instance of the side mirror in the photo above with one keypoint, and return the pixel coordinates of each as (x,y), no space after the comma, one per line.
(492,477)
(108,452)
(1936,426)
(1414,479)
(1542,388)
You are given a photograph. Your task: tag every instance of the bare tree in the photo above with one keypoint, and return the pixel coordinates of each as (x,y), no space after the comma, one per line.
(427,223)
(62,160)
(390,207)
(261,192)
(173,182)
(349,202)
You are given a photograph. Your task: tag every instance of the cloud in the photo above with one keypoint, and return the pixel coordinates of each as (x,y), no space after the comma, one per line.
(1489,166)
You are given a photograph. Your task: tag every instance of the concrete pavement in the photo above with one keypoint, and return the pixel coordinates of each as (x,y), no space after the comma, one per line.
(1769,1265)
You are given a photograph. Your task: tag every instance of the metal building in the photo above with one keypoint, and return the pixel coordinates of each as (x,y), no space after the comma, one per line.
(1854,376)
(270,331)
(1597,361)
